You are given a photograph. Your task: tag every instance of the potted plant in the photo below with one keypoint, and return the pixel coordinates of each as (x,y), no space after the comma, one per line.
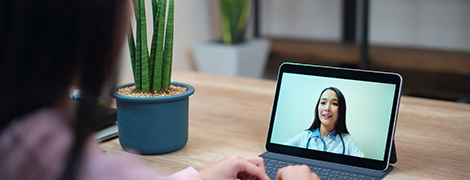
(152,112)
(233,56)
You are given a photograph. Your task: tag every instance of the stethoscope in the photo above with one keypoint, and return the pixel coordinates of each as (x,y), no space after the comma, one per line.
(324,144)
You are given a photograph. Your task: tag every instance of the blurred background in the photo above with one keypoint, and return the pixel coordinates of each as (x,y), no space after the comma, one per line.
(426,41)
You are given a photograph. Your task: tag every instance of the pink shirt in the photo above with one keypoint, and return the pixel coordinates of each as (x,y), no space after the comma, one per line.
(35,147)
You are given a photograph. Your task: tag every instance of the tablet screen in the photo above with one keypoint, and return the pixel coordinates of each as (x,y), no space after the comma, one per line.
(348,113)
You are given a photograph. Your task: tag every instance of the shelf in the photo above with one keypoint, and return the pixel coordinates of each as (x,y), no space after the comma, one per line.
(434,61)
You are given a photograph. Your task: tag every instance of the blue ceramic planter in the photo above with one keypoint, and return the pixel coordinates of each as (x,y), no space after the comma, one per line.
(153,125)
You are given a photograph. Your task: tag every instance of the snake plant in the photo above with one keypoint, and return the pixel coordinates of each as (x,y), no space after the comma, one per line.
(235,15)
(152,72)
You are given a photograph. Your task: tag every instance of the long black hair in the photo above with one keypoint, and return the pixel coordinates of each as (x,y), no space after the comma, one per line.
(341,121)
(44,45)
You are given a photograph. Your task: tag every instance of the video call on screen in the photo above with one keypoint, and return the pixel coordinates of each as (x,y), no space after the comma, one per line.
(368,109)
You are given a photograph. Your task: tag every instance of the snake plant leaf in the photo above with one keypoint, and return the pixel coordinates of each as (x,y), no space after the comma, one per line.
(168,53)
(131,43)
(153,46)
(130,39)
(138,50)
(154,9)
(144,48)
(157,79)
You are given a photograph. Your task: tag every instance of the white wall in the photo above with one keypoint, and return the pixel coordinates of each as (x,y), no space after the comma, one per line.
(302,19)
(434,24)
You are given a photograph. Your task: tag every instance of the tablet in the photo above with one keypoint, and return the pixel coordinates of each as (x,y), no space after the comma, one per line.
(364,131)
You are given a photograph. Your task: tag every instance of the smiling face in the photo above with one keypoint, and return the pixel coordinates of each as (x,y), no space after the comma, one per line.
(328,109)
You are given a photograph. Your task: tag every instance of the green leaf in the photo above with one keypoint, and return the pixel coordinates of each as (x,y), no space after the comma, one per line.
(235,15)
(243,20)
(154,9)
(131,43)
(157,79)
(138,50)
(132,48)
(168,53)
(153,46)
(225,22)
(144,48)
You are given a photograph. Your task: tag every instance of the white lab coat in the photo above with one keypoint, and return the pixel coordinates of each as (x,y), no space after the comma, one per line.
(331,143)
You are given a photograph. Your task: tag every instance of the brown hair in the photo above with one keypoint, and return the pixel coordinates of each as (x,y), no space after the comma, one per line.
(43,45)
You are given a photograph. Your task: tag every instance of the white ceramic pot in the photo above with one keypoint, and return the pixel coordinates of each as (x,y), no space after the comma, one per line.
(246,59)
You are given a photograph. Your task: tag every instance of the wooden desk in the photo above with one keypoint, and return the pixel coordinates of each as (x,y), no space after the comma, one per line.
(231,115)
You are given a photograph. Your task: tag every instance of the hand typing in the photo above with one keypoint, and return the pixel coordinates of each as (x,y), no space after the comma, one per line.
(296,173)
(236,166)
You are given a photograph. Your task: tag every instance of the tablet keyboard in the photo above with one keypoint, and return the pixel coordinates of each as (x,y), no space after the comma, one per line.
(272,166)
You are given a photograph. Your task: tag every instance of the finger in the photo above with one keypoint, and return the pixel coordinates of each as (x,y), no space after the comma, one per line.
(253,170)
(245,176)
(258,161)
(279,173)
(315,176)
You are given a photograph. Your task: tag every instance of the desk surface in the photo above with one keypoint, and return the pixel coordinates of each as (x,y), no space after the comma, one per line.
(231,115)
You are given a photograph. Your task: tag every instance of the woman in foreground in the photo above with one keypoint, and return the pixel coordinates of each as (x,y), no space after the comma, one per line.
(48,47)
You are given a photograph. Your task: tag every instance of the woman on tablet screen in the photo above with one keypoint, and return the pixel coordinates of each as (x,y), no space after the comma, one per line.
(328,131)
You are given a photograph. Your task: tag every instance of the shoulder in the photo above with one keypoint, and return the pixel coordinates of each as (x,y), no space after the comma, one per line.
(303,134)
(348,138)
(42,136)
(39,128)
(349,141)
(300,137)
(49,123)
(353,148)
(123,167)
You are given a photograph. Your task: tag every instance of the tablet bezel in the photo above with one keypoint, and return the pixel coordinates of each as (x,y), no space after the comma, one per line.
(342,73)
